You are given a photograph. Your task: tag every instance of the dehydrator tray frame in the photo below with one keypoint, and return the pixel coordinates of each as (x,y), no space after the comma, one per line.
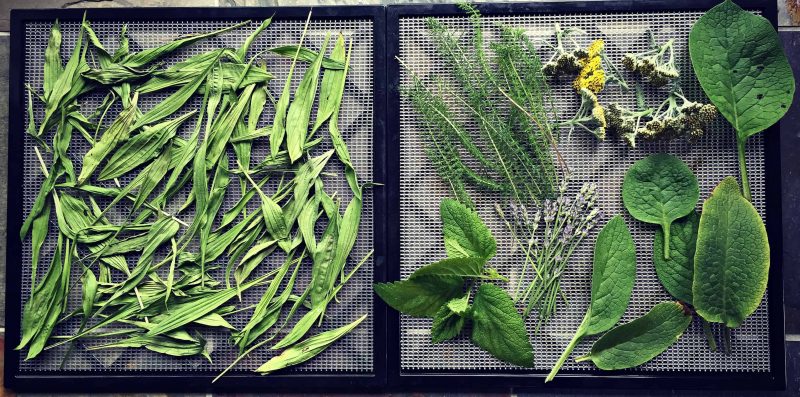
(387,373)
(425,375)
(372,20)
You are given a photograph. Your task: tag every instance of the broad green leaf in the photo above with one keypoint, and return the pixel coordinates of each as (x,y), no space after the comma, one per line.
(676,273)
(446,325)
(741,66)
(498,328)
(613,275)
(422,296)
(465,235)
(660,189)
(731,263)
(461,267)
(639,341)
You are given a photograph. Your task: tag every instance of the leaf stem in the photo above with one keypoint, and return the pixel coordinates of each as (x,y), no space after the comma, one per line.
(743,170)
(570,347)
(666,240)
(726,339)
(712,342)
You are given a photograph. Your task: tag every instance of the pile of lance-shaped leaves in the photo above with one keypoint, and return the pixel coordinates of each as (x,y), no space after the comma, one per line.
(161,297)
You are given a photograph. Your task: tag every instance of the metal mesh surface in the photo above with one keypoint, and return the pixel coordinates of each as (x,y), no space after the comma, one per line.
(354,352)
(711,158)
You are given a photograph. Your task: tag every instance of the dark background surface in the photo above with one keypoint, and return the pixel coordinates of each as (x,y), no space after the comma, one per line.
(789,30)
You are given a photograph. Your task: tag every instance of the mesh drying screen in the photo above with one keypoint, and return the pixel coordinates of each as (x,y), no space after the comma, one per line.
(712,158)
(354,352)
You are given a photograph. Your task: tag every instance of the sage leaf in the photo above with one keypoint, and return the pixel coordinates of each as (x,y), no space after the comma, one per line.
(639,341)
(307,349)
(676,273)
(613,275)
(498,328)
(660,189)
(422,296)
(465,235)
(731,263)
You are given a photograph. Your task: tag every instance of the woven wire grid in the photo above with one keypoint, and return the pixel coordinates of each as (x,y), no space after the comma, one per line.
(711,158)
(352,353)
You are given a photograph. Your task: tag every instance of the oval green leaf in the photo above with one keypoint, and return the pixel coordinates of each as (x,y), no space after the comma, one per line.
(659,189)
(422,296)
(731,264)
(640,340)
(741,66)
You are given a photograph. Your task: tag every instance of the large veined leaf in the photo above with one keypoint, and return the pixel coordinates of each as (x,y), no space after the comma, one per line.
(731,263)
(740,64)
(676,273)
(464,233)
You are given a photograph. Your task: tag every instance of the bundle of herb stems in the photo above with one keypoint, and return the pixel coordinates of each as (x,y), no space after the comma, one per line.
(162,301)
(513,152)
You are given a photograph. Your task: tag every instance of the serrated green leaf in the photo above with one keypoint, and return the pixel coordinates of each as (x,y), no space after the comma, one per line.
(446,325)
(731,263)
(420,297)
(498,328)
(461,267)
(465,235)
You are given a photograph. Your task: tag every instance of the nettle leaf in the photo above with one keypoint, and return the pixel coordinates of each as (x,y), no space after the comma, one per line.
(676,273)
(659,189)
(462,267)
(640,340)
(446,325)
(498,328)
(465,235)
(731,264)
(422,296)
(741,66)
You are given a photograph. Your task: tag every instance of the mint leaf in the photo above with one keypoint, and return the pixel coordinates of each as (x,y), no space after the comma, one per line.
(676,272)
(640,340)
(498,328)
(459,305)
(740,64)
(731,263)
(465,235)
(462,267)
(422,296)
(446,325)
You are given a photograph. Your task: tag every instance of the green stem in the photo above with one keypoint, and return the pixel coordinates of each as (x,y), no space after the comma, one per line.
(712,342)
(726,339)
(570,347)
(743,170)
(666,240)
